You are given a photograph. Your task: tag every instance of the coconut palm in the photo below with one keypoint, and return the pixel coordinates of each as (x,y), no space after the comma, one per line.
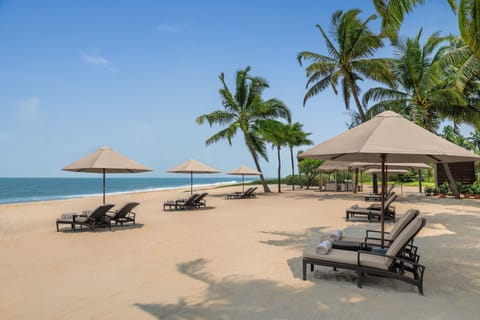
(422,91)
(464,51)
(296,137)
(242,111)
(349,59)
(276,133)
(392,13)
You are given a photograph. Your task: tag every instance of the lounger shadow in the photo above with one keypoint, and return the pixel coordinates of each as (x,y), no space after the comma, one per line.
(392,264)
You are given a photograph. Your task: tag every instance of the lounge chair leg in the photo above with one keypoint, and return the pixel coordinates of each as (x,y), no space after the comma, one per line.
(359,279)
(420,288)
(311,267)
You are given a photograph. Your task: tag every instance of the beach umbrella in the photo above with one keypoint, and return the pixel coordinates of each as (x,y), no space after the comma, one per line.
(389,137)
(244,170)
(334,166)
(192,166)
(106,160)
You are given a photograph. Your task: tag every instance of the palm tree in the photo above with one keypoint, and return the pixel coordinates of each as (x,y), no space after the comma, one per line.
(393,12)
(422,91)
(274,132)
(242,111)
(296,137)
(474,139)
(349,60)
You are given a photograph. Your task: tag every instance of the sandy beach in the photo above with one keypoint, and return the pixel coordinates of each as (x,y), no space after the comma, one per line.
(237,259)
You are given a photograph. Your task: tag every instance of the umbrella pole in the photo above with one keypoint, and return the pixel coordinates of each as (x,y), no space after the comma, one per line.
(243,183)
(191,183)
(104,186)
(382,211)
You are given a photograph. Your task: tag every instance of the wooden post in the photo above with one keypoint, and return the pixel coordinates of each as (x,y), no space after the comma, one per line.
(451,181)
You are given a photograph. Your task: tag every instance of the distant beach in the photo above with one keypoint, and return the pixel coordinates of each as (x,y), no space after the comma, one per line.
(15,190)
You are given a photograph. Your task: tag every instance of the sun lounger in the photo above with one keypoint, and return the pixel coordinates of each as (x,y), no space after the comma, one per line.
(124,214)
(181,204)
(373,237)
(373,212)
(377,196)
(94,219)
(200,201)
(249,193)
(391,264)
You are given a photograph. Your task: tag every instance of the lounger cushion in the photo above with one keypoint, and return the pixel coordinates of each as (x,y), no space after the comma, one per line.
(402,239)
(401,224)
(346,257)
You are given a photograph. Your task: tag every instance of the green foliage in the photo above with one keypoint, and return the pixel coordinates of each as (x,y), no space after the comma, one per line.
(349,59)
(244,110)
(476,187)
(308,168)
(443,188)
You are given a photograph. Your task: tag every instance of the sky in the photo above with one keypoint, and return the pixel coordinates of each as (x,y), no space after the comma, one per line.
(134,76)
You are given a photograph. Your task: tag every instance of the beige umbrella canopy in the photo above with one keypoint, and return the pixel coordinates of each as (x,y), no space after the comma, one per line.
(331,165)
(405,166)
(389,137)
(393,136)
(106,160)
(192,166)
(378,170)
(244,170)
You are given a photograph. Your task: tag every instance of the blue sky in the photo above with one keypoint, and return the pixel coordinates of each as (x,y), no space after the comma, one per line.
(134,75)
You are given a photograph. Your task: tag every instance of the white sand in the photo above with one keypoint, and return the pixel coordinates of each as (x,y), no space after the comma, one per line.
(239,259)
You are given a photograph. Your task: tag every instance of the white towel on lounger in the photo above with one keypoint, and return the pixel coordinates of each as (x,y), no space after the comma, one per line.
(324,247)
(336,235)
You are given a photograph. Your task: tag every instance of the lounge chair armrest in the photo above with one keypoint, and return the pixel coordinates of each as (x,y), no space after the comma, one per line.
(374,231)
(385,241)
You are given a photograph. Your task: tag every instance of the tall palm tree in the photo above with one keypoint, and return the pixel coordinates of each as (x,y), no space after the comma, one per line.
(422,92)
(242,111)
(276,133)
(296,137)
(393,12)
(349,59)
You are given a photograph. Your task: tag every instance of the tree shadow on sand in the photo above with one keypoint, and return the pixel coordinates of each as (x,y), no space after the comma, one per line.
(452,267)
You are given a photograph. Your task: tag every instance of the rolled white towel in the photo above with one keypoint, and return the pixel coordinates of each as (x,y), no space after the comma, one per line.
(336,235)
(324,247)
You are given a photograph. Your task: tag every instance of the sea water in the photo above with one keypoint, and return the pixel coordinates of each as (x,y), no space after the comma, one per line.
(14,190)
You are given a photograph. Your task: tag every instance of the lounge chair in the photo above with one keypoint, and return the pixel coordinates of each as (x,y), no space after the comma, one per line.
(373,237)
(91,220)
(124,214)
(242,195)
(377,196)
(181,204)
(373,212)
(200,201)
(391,264)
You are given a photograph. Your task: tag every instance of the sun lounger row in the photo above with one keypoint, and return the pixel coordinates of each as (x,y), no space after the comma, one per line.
(398,259)
(377,196)
(101,217)
(249,193)
(195,201)
(373,212)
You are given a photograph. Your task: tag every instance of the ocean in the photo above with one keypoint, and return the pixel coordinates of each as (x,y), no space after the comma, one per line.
(14,190)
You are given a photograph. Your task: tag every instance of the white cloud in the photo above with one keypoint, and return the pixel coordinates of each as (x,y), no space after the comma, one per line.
(28,110)
(169,28)
(96,59)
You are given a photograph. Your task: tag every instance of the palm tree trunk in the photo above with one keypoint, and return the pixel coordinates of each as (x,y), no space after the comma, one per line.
(257,165)
(279,169)
(293,168)
(355,96)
